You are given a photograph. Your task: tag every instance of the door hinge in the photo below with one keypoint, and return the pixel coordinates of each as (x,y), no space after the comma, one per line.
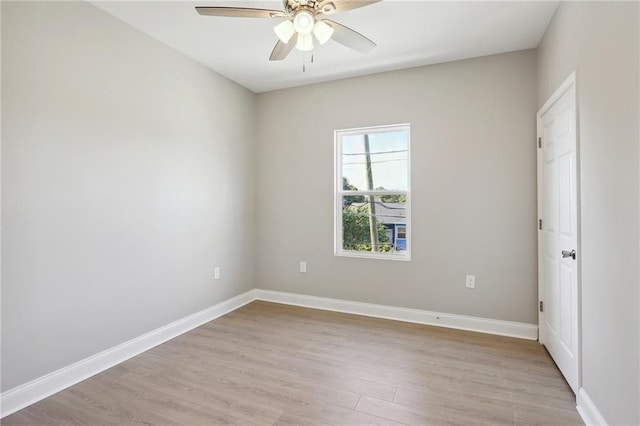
(540,224)
(539,142)
(541,306)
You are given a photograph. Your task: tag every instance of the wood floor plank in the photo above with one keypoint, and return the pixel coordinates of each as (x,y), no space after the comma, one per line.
(340,416)
(334,415)
(396,412)
(284,386)
(189,407)
(271,364)
(480,407)
(290,418)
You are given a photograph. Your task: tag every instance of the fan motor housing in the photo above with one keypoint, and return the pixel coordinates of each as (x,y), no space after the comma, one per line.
(291,6)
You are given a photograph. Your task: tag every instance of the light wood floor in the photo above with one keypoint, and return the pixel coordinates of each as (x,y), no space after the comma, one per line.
(267,364)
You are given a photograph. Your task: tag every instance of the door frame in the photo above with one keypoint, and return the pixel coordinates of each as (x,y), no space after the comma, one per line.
(570,81)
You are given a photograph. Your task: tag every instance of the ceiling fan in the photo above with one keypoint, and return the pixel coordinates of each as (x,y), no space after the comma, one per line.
(304,19)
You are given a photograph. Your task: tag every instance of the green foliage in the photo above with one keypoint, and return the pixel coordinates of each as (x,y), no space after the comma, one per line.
(355,220)
(350,199)
(356,232)
(393,198)
(347,186)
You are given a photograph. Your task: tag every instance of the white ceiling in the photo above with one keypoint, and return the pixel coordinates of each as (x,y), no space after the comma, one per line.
(408,34)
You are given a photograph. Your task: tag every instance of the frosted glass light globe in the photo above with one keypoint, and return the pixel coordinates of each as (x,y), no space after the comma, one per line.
(322,31)
(303,22)
(285,31)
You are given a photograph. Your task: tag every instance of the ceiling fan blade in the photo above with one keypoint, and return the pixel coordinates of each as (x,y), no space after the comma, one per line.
(281,50)
(350,38)
(334,6)
(240,12)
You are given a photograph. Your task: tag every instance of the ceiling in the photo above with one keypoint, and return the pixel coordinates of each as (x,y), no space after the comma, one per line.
(408,34)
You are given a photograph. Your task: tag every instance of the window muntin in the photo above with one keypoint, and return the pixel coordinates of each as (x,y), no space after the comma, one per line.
(372,193)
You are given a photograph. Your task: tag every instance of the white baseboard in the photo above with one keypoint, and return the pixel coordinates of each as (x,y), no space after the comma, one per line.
(461,322)
(588,410)
(29,393)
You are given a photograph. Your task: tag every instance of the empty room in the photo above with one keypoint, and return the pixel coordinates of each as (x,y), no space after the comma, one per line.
(320,212)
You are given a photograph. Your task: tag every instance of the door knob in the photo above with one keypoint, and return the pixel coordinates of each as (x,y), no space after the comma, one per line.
(571,254)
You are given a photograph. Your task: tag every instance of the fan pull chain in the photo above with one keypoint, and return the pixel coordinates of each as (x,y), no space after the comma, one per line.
(304,61)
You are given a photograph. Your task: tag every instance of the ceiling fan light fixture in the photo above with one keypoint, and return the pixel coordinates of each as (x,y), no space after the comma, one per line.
(322,31)
(285,30)
(305,42)
(303,22)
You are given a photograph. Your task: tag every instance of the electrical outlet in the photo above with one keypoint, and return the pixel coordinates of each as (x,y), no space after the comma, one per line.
(216,273)
(303,266)
(471,281)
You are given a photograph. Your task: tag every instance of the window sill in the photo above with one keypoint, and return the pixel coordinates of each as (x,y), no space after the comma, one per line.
(405,257)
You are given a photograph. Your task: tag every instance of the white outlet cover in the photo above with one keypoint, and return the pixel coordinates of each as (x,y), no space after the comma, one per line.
(471,281)
(303,266)
(216,273)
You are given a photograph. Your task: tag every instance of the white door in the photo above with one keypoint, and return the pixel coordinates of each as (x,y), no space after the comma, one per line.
(558,230)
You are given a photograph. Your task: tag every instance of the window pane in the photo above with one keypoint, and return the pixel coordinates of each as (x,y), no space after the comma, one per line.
(387,160)
(387,214)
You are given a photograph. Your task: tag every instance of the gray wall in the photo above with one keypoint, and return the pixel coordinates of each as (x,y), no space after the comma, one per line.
(600,40)
(126,177)
(473,181)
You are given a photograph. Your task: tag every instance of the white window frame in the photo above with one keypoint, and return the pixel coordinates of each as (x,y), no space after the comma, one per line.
(339,192)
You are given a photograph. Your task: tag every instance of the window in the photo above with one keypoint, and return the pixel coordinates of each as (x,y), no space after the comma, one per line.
(372,192)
